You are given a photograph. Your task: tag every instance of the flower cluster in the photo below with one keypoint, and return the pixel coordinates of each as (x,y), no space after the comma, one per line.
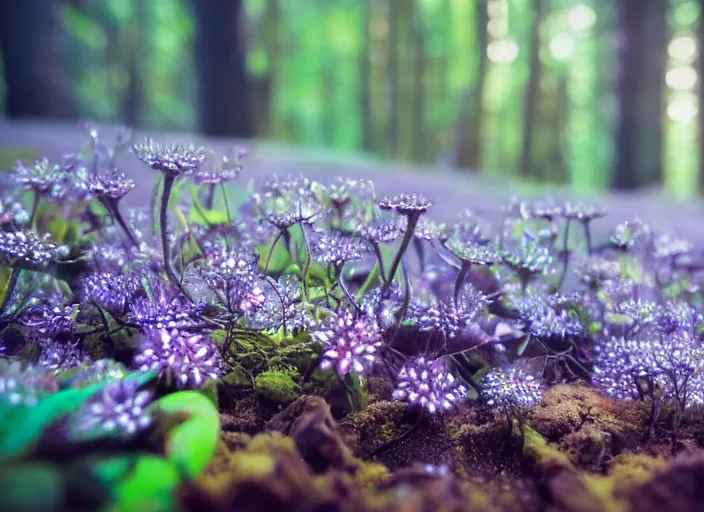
(191,358)
(349,343)
(174,160)
(512,391)
(428,384)
(120,408)
(27,248)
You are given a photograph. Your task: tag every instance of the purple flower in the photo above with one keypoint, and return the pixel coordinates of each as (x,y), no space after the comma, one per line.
(26,247)
(12,212)
(581,212)
(57,356)
(40,177)
(118,409)
(24,385)
(192,358)
(174,160)
(338,248)
(227,168)
(44,321)
(408,205)
(109,291)
(161,313)
(112,184)
(381,231)
(349,343)
(429,385)
(511,390)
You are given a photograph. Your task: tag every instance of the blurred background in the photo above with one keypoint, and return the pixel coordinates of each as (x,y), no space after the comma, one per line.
(594,94)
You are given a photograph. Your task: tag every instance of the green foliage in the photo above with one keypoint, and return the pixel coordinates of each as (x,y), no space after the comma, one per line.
(191,445)
(277,386)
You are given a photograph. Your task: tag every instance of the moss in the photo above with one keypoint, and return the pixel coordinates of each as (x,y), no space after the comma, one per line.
(545,456)
(373,427)
(371,474)
(567,408)
(277,387)
(237,378)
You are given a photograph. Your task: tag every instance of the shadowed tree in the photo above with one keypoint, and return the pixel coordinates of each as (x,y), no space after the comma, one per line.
(532,93)
(642,43)
(223,84)
(700,117)
(34,76)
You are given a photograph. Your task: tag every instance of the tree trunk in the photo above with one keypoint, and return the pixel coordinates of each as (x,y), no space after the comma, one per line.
(419,139)
(34,76)
(700,116)
(134,95)
(393,78)
(223,84)
(471,152)
(532,93)
(365,77)
(642,33)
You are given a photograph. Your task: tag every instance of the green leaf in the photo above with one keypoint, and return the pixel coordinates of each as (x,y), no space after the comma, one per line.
(191,445)
(154,204)
(149,486)
(22,427)
(31,487)
(199,214)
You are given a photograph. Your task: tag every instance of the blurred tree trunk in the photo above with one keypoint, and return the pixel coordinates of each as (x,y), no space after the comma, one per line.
(265,87)
(223,84)
(394,9)
(365,76)
(133,98)
(642,38)
(700,117)
(471,119)
(34,75)
(532,93)
(418,122)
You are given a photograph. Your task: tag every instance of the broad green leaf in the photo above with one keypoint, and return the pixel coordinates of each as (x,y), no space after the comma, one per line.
(148,487)
(191,445)
(31,487)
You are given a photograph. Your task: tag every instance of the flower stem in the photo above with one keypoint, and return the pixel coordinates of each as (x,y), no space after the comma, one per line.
(461,277)
(163,228)
(373,276)
(565,255)
(407,236)
(113,209)
(380,263)
(12,282)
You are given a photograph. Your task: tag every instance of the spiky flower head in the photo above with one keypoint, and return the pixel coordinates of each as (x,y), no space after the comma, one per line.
(446,318)
(430,385)
(581,212)
(44,321)
(527,257)
(349,343)
(174,160)
(631,234)
(545,321)
(24,386)
(27,248)
(12,212)
(511,390)
(470,252)
(118,409)
(381,231)
(193,358)
(109,291)
(345,191)
(216,171)
(112,184)
(162,313)
(409,205)
(338,248)
(40,177)
(668,246)
(59,356)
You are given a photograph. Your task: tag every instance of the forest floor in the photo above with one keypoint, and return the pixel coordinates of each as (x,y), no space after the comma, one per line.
(451,190)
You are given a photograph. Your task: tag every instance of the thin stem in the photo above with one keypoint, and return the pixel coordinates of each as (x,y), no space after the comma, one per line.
(565,255)
(373,275)
(588,237)
(306,265)
(420,250)
(163,227)
(382,272)
(464,270)
(271,250)
(346,290)
(35,206)
(225,200)
(209,199)
(14,275)
(113,209)
(408,235)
